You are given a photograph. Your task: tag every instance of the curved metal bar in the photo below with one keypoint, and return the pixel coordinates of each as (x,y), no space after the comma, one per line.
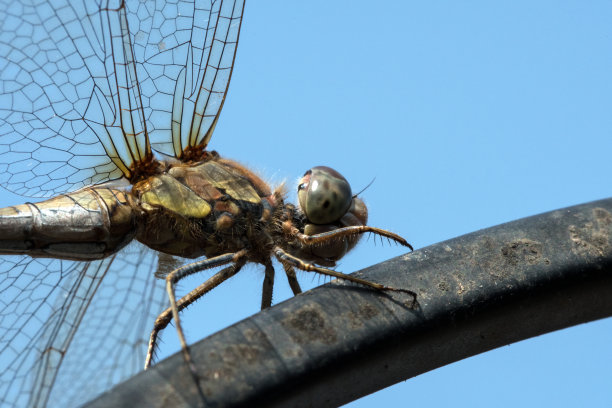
(339,342)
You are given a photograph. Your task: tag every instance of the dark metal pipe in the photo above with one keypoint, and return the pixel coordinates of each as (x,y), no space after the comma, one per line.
(339,342)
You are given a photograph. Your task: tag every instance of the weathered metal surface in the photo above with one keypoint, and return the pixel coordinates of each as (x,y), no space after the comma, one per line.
(339,342)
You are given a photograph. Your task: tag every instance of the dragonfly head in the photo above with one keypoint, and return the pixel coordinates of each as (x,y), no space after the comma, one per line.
(326,200)
(324,195)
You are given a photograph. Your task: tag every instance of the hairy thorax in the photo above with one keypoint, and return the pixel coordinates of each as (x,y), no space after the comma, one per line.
(210,208)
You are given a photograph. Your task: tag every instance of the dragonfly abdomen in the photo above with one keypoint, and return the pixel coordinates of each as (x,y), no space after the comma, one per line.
(88,224)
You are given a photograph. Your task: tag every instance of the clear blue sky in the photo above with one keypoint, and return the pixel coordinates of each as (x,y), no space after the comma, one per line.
(469,114)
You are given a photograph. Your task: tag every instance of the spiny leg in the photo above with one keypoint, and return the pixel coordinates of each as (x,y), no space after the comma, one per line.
(290,260)
(348,231)
(178,274)
(293,282)
(268,285)
(165,317)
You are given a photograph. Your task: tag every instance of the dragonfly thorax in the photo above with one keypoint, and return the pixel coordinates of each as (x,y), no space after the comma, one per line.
(206,209)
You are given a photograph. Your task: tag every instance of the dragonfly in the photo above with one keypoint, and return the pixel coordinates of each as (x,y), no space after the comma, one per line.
(106,111)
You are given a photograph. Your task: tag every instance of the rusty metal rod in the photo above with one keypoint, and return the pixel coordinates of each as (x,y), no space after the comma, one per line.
(339,342)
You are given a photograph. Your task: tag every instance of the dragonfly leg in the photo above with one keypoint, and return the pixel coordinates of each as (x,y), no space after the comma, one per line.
(293,282)
(290,260)
(172,312)
(268,285)
(348,231)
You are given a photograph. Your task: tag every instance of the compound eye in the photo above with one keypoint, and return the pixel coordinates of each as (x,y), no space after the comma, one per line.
(324,195)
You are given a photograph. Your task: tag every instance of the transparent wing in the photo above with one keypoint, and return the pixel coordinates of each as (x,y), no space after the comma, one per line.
(30,292)
(83,86)
(62,345)
(187,53)
(111,342)
(69,108)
